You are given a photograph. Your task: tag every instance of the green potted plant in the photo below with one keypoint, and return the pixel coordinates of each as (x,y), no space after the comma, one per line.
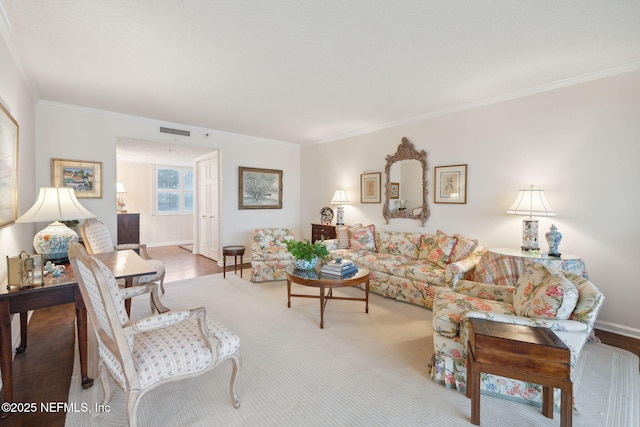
(306,254)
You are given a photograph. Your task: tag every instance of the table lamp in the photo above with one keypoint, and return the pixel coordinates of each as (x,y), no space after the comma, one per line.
(531,202)
(55,204)
(340,198)
(120,203)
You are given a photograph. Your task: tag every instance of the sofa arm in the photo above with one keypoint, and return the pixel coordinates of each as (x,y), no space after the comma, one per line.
(485,291)
(553,324)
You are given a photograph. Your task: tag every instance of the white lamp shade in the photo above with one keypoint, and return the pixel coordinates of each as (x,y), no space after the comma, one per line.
(120,188)
(340,198)
(531,202)
(56,203)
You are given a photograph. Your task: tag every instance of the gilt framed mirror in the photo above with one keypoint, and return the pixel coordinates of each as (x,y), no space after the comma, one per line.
(406,184)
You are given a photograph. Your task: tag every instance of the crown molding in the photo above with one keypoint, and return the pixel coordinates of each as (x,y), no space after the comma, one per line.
(6,29)
(583,78)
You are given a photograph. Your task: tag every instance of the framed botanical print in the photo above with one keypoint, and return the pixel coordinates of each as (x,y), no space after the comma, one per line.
(370,187)
(259,188)
(84,176)
(394,190)
(451,184)
(8,168)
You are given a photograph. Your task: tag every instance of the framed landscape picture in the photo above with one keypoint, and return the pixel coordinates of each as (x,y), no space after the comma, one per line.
(85,177)
(451,184)
(8,168)
(370,187)
(259,188)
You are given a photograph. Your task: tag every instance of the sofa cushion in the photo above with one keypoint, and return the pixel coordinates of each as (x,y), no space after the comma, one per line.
(362,238)
(543,292)
(272,237)
(437,249)
(463,249)
(385,263)
(271,254)
(398,243)
(421,270)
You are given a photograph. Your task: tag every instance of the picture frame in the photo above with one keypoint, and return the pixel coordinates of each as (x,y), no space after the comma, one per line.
(9,132)
(451,184)
(394,190)
(259,188)
(84,176)
(370,187)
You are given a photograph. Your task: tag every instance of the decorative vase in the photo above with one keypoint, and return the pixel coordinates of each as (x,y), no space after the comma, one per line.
(53,241)
(303,264)
(553,237)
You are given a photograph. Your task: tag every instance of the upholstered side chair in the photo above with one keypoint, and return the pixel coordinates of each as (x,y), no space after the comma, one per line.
(150,352)
(97,240)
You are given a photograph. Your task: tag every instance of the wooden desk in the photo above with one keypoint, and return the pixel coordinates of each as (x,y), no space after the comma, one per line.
(524,353)
(56,291)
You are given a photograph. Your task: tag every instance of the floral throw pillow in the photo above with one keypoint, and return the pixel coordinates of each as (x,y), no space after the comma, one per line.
(363,238)
(439,248)
(544,293)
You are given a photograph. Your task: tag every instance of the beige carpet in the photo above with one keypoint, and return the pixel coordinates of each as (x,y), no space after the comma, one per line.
(361,370)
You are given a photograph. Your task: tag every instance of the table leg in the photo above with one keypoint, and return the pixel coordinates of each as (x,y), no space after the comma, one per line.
(241,262)
(547,401)
(224,266)
(566,406)
(473,387)
(321,307)
(235,265)
(5,354)
(128,282)
(23,333)
(81,321)
(366,293)
(288,293)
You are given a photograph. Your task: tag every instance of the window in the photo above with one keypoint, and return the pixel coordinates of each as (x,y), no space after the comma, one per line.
(173,190)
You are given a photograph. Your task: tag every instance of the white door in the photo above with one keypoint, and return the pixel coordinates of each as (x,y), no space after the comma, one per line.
(208,233)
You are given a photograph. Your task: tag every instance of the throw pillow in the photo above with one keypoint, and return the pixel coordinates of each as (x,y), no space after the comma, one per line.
(342,234)
(439,248)
(545,293)
(463,249)
(363,238)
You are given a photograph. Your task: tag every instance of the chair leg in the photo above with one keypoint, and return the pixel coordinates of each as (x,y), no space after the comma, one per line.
(235,399)
(133,399)
(106,388)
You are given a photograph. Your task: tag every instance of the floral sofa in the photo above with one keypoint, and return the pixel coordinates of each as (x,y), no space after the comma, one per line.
(269,254)
(542,297)
(407,266)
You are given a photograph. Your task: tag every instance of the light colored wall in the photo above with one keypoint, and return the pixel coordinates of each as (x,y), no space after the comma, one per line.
(70,132)
(17,99)
(579,144)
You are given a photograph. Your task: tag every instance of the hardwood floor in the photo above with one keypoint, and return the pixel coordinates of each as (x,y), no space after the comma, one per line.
(43,372)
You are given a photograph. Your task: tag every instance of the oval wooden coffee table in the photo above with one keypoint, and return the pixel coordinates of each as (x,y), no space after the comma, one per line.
(314,278)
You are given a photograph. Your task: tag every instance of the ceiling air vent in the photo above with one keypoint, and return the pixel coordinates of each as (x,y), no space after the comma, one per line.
(175,131)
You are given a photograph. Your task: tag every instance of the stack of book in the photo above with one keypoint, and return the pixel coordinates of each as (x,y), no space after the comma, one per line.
(339,269)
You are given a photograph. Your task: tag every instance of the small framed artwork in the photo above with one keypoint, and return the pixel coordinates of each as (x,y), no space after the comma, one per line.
(451,184)
(9,167)
(370,187)
(84,176)
(259,188)
(394,190)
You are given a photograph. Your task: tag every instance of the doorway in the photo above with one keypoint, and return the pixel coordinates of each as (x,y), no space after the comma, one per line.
(207,223)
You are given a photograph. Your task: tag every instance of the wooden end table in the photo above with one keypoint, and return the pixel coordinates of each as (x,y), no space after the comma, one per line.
(524,353)
(314,278)
(235,252)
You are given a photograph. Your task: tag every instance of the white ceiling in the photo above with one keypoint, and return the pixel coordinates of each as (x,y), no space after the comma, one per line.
(312,70)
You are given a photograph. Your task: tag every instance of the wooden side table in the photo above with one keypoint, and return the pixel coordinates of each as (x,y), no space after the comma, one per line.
(235,252)
(320,231)
(524,353)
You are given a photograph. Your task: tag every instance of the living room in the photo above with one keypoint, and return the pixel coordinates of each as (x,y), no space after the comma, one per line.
(575,137)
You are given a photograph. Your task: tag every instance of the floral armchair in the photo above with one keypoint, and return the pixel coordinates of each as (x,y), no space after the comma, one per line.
(453,308)
(269,254)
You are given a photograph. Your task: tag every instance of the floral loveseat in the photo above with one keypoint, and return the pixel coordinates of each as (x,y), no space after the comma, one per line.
(543,297)
(269,254)
(407,266)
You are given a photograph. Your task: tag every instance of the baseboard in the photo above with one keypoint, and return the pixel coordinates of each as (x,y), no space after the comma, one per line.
(618,329)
